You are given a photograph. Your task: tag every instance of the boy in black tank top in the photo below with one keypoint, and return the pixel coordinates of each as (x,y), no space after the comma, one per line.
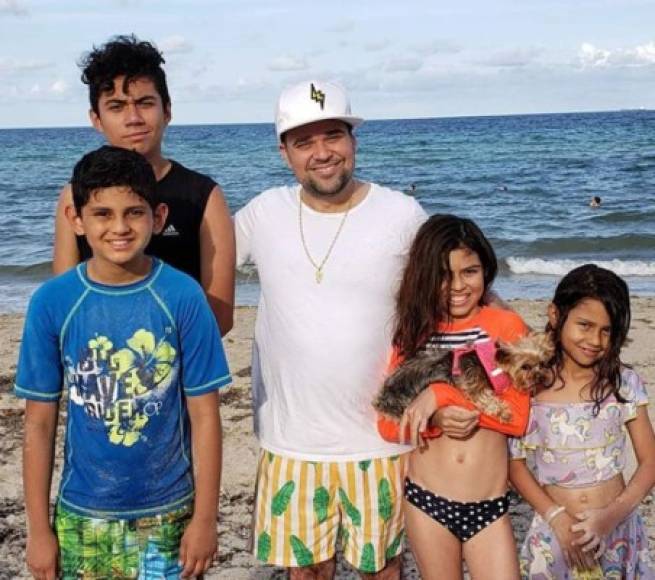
(131,107)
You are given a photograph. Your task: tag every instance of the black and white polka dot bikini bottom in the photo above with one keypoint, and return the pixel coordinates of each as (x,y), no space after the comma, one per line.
(462,519)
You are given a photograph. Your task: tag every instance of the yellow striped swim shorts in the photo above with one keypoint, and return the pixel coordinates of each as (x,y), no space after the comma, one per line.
(302,507)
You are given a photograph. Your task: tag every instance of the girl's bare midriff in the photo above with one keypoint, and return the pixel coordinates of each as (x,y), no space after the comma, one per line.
(577,499)
(472,469)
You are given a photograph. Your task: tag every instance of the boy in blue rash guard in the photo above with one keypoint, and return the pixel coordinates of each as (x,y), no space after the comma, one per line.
(136,345)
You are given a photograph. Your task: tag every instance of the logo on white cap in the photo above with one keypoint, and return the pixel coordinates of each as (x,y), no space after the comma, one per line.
(318,96)
(294,109)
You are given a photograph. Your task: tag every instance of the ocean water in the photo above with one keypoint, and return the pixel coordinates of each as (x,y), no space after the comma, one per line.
(526,180)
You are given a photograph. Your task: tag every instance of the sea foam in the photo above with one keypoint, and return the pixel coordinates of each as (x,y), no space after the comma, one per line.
(560,267)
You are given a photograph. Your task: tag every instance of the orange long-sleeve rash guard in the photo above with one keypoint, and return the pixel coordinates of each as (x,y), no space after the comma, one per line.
(503,325)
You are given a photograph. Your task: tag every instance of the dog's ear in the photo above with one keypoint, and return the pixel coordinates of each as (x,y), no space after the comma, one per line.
(503,353)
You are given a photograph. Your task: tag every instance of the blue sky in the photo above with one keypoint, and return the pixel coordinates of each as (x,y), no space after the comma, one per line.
(227,60)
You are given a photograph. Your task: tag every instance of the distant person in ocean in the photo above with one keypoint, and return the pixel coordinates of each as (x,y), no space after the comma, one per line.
(136,347)
(595,201)
(329,251)
(131,107)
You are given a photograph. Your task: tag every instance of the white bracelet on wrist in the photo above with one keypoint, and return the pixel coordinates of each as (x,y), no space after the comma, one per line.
(553,512)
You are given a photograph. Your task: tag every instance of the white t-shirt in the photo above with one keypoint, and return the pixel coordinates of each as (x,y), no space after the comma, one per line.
(320,350)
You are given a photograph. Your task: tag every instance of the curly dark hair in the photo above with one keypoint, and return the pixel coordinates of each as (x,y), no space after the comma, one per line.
(593,282)
(127,56)
(419,304)
(110,167)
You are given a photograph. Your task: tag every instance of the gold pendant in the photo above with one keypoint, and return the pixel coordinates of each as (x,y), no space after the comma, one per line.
(319,276)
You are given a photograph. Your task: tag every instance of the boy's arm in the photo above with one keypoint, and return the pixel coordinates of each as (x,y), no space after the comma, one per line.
(38,453)
(217,256)
(199,542)
(66,255)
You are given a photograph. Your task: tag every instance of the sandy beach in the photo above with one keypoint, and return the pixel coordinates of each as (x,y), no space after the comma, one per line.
(240,447)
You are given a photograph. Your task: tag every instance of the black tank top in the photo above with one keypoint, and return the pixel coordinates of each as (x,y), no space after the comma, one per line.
(185,192)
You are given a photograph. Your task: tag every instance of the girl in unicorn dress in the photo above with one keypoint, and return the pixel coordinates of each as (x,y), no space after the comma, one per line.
(586,523)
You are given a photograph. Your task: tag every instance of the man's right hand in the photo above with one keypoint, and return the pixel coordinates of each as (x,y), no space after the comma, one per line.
(42,554)
(456,422)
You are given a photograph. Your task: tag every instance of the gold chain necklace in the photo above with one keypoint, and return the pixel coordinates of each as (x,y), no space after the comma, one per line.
(319,267)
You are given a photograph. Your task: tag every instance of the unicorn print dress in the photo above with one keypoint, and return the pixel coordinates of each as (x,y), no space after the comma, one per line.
(566,445)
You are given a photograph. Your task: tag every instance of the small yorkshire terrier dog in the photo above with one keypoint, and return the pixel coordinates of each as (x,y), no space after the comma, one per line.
(524,362)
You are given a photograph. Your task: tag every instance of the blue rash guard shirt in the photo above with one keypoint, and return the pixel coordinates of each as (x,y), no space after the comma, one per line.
(129,356)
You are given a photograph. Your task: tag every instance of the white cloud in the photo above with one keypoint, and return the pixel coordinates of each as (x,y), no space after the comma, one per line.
(646,52)
(15,7)
(590,56)
(175,44)
(437,46)
(8,92)
(376,45)
(54,91)
(515,57)
(9,66)
(287,63)
(240,88)
(59,87)
(408,64)
(345,25)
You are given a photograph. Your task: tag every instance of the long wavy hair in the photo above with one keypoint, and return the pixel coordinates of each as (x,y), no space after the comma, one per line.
(592,282)
(420,304)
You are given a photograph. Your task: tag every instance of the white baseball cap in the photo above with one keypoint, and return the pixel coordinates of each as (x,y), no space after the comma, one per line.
(312,101)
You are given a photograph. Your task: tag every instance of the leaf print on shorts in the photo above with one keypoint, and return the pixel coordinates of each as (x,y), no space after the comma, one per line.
(385,505)
(364,465)
(392,550)
(352,512)
(367,563)
(263,547)
(281,499)
(303,555)
(345,536)
(321,502)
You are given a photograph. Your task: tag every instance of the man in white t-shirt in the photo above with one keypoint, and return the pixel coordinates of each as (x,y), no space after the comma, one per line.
(329,252)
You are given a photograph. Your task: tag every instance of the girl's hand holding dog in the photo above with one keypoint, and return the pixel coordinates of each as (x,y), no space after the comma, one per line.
(457,422)
(416,417)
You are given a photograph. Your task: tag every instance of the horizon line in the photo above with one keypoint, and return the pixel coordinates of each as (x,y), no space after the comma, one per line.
(463,116)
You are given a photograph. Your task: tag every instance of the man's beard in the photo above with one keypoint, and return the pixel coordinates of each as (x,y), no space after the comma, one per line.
(320,189)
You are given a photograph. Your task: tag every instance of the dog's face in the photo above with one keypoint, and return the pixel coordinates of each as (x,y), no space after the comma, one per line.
(526,361)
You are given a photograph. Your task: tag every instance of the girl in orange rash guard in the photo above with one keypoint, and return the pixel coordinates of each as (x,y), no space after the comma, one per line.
(456,497)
